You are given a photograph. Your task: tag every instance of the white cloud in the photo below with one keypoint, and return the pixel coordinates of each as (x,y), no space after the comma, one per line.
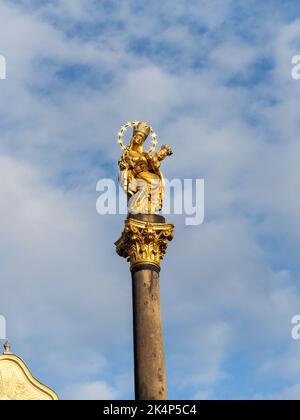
(64,288)
(291,393)
(91,391)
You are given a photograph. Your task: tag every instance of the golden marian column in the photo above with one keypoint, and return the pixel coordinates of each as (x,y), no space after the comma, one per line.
(144,243)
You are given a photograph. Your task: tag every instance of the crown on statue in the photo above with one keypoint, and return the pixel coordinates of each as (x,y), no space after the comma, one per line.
(143,129)
(138,127)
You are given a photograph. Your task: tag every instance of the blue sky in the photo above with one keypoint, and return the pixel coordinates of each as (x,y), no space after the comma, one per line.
(214,79)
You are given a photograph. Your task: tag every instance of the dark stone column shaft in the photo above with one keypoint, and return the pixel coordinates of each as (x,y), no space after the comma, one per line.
(149,363)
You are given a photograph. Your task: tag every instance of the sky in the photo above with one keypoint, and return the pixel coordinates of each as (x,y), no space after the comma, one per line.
(213,77)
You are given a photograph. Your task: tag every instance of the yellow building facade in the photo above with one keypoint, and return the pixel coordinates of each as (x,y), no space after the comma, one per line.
(17,382)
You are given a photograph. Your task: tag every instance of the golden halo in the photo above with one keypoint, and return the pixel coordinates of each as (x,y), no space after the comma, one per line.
(134,124)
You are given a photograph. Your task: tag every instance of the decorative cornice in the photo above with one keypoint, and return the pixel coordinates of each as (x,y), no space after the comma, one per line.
(17,383)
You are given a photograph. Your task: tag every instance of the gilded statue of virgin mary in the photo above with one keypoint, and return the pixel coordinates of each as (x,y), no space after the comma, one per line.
(140,175)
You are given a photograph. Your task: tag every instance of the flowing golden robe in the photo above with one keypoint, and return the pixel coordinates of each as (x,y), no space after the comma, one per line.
(141,178)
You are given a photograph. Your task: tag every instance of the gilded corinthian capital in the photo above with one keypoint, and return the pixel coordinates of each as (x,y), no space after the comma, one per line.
(144,242)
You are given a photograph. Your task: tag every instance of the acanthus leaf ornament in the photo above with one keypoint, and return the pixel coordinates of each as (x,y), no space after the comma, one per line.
(143,242)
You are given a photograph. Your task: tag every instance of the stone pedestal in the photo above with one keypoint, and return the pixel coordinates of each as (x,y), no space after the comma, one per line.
(144,242)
